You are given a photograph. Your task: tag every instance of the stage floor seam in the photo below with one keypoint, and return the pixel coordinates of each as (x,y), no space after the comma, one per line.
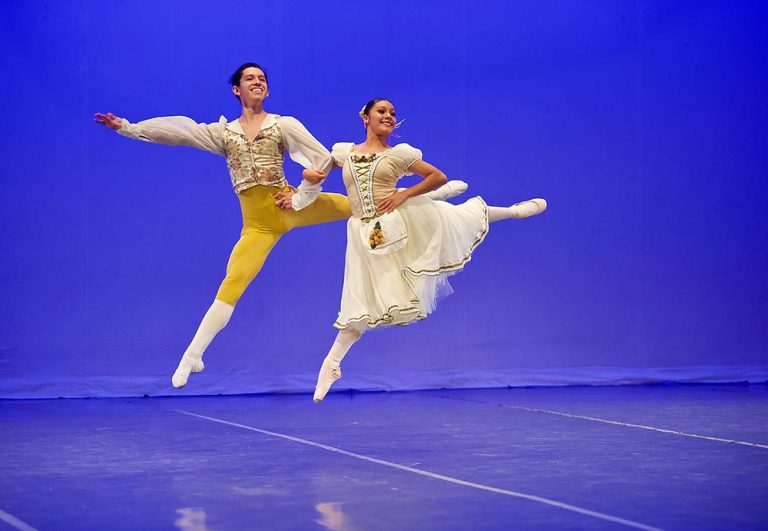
(15,522)
(613,422)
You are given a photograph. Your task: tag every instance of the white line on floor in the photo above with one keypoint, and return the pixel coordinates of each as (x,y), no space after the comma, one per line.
(15,522)
(538,499)
(640,426)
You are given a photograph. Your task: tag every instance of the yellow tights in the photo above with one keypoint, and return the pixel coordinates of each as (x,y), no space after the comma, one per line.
(264,223)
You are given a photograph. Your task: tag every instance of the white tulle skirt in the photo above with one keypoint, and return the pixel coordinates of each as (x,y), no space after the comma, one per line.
(404,286)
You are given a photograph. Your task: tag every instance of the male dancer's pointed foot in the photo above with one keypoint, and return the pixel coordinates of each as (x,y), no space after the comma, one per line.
(526,209)
(448,190)
(327,377)
(187,365)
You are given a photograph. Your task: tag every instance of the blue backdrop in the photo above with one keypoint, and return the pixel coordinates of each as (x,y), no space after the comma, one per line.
(642,122)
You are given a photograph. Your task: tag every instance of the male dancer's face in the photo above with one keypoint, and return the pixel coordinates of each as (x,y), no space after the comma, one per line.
(253,86)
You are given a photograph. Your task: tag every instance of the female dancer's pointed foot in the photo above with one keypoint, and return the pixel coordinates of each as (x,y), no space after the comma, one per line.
(448,190)
(187,365)
(526,209)
(327,377)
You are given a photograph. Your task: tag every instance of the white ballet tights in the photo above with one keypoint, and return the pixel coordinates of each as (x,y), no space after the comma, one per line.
(448,190)
(331,368)
(524,209)
(214,320)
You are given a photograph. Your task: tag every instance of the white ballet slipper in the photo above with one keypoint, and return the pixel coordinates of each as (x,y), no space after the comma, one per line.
(448,190)
(187,365)
(327,377)
(526,209)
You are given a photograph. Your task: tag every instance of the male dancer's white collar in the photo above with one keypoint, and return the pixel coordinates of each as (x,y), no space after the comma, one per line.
(235,125)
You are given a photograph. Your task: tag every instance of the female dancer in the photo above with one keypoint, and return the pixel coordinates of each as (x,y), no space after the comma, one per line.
(254,147)
(401,247)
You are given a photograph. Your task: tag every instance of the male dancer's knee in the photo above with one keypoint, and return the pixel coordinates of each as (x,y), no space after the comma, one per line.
(231,289)
(235,283)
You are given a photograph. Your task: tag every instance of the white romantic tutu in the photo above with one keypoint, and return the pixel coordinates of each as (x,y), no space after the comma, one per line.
(403,286)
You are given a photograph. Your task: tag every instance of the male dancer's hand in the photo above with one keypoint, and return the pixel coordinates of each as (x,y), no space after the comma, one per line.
(109,119)
(284,199)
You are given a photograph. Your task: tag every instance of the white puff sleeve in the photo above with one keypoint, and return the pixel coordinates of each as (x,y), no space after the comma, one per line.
(340,152)
(307,151)
(404,155)
(178,131)
(303,148)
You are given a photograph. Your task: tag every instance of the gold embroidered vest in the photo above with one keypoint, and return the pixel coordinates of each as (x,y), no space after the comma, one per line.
(256,162)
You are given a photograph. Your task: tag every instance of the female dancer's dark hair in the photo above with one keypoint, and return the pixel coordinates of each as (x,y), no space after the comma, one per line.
(370,104)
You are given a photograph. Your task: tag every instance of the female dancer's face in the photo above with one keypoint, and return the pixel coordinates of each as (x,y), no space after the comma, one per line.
(253,86)
(382,118)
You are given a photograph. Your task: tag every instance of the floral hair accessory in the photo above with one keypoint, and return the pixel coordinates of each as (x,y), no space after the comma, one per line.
(362,112)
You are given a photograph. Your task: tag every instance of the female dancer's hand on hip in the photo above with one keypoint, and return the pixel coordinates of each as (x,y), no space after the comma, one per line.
(109,119)
(390,203)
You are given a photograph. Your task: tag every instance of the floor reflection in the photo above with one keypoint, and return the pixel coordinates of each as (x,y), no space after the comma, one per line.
(332,517)
(191,519)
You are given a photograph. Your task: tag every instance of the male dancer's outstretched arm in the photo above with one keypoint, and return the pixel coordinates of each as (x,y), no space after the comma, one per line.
(169,130)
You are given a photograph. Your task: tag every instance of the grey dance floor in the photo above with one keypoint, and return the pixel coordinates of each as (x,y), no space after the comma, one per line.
(663,456)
